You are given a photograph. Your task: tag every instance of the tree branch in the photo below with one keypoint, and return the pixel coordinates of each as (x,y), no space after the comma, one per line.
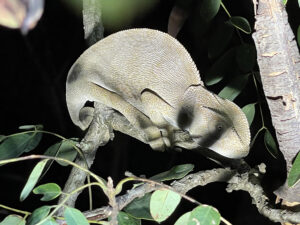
(92,21)
(248,181)
(279,62)
(99,132)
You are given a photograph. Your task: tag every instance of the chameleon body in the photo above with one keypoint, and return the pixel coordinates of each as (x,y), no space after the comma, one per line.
(150,78)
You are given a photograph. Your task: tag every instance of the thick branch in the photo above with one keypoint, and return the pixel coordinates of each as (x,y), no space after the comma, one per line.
(99,133)
(278,60)
(92,21)
(251,184)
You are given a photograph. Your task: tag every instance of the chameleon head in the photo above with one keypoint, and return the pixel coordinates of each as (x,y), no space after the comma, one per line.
(220,125)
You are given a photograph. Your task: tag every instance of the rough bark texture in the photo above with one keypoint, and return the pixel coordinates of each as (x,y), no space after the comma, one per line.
(99,132)
(278,60)
(92,21)
(98,135)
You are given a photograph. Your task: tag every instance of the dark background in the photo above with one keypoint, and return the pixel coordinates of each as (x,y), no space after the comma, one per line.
(32,87)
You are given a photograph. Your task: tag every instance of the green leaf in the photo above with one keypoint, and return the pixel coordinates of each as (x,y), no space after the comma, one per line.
(50,221)
(298,35)
(33,141)
(163,203)
(209,9)
(240,23)
(177,172)
(126,219)
(249,111)
(204,215)
(64,149)
(234,88)
(2,137)
(222,66)
(270,144)
(299,3)
(74,217)
(284,2)
(219,40)
(246,57)
(13,146)
(50,191)
(33,179)
(38,214)
(294,174)
(140,207)
(184,219)
(27,127)
(13,220)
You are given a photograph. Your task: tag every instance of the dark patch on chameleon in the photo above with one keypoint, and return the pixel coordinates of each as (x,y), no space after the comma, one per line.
(207,141)
(211,138)
(73,75)
(185,117)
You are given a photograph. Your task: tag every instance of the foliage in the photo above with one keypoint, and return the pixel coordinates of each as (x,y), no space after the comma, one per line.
(33,178)
(74,217)
(294,174)
(49,191)
(270,143)
(16,144)
(157,206)
(163,203)
(249,111)
(13,219)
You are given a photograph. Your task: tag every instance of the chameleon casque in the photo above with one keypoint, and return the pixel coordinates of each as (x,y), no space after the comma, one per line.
(150,78)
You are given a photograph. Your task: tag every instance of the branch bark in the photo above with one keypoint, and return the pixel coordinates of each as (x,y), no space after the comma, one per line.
(278,59)
(92,21)
(99,132)
(248,181)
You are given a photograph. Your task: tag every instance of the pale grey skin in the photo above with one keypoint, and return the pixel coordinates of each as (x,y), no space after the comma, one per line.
(150,78)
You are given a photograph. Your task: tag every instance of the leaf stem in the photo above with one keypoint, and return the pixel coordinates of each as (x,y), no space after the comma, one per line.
(30,157)
(254,138)
(15,210)
(225,221)
(225,9)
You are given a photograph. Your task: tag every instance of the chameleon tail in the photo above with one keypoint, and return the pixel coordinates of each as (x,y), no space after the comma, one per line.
(76,97)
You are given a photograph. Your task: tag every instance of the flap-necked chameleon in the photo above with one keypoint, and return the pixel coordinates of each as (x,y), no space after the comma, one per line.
(151,79)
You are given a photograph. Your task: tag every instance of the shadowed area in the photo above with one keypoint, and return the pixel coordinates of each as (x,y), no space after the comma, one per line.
(210,139)
(73,76)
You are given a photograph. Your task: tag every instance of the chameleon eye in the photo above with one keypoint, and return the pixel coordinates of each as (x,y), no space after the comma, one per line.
(217,129)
